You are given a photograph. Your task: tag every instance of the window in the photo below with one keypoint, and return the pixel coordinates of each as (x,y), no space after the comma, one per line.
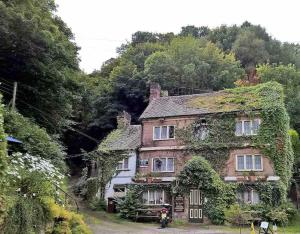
(119,190)
(143,162)
(249,163)
(249,196)
(164,132)
(153,197)
(201,130)
(123,165)
(247,127)
(163,165)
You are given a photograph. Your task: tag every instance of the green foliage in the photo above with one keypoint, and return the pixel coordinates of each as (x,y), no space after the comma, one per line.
(236,216)
(98,204)
(39,53)
(3,150)
(289,77)
(128,205)
(198,173)
(35,140)
(296,147)
(191,62)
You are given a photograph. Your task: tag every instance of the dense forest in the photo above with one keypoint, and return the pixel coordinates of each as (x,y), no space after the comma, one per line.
(62,112)
(38,50)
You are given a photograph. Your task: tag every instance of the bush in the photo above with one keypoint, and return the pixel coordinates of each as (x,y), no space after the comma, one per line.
(236,215)
(97,204)
(128,205)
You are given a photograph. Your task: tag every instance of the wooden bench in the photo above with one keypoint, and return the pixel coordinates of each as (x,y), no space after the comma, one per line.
(148,213)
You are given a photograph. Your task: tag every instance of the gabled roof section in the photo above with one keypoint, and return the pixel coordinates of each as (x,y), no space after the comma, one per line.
(229,100)
(127,138)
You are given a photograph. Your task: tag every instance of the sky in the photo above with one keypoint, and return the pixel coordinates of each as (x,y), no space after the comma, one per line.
(100,26)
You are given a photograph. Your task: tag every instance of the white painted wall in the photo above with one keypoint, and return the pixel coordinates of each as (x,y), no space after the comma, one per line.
(123,177)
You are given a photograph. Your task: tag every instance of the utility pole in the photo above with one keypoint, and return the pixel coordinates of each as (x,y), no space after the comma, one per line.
(14,95)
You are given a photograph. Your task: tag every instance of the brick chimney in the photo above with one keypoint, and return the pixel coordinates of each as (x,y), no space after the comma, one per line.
(123,119)
(154,91)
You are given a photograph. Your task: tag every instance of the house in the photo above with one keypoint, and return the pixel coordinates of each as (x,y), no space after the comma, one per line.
(242,132)
(125,139)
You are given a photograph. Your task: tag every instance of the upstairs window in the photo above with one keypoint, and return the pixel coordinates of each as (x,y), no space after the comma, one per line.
(163,165)
(201,130)
(247,127)
(249,163)
(123,165)
(164,132)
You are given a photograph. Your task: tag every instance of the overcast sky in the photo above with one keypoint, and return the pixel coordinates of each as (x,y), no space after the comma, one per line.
(100,26)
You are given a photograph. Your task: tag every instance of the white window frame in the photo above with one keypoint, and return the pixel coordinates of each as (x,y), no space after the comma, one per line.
(251,196)
(160,139)
(155,204)
(152,168)
(253,162)
(123,164)
(243,126)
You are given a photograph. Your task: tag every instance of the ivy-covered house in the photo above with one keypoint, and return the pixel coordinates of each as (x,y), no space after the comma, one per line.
(125,140)
(240,134)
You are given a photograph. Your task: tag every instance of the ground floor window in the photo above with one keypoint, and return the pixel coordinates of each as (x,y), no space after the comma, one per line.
(153,197)
(249,196)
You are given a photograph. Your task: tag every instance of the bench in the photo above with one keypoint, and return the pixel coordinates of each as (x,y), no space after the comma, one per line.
(148,213)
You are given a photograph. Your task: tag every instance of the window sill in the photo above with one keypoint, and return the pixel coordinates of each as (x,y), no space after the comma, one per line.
(164,139)
(163,171)
(123,169)
(249,170)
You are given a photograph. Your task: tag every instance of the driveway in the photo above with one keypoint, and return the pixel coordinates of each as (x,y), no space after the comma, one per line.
(102,223)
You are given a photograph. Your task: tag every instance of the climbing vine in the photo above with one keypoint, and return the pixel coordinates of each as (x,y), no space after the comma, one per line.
(265,101)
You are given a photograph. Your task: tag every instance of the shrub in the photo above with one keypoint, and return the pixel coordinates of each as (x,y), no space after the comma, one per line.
(128,205)
(97,204)
(236,215)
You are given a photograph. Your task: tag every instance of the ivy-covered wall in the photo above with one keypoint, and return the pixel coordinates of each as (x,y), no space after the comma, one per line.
(263,100)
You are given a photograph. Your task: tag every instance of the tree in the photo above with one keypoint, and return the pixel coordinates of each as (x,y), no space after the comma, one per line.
(192,63)
(289,77)
(250,49)
(196,32)
(38,52)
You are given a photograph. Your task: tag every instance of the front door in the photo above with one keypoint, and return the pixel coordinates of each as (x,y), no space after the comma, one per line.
(195,206)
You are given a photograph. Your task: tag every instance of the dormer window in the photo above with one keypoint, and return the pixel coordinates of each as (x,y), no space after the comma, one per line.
(247,127)
(164,132)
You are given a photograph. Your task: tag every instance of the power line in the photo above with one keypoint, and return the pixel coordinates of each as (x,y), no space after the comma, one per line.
(46,118)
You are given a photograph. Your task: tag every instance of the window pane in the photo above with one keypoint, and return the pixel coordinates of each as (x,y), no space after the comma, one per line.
(125,163)
(159,197)
(247,129)
(255,198)
(170,164)
(255,126)
(157,133)
(240,162)
(145,197)
(164,164)
(157,163)
(249,162)
(171,132)
(151,197)
(144,162)
(257,160)
(164,130)
(238,128)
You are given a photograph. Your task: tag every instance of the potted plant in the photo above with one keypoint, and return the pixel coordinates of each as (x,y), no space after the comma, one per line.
(138,178)
(156,177)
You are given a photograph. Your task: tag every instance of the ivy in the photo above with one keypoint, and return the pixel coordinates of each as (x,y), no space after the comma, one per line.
(263,100)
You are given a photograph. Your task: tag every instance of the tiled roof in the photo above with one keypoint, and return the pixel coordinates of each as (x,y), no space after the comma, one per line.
(174,106)
(128,138)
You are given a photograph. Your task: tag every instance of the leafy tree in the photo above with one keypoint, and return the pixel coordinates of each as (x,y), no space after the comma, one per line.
(196,32)
(289,77)
(192,63)
(38,52)
(296,147)
(250,49)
